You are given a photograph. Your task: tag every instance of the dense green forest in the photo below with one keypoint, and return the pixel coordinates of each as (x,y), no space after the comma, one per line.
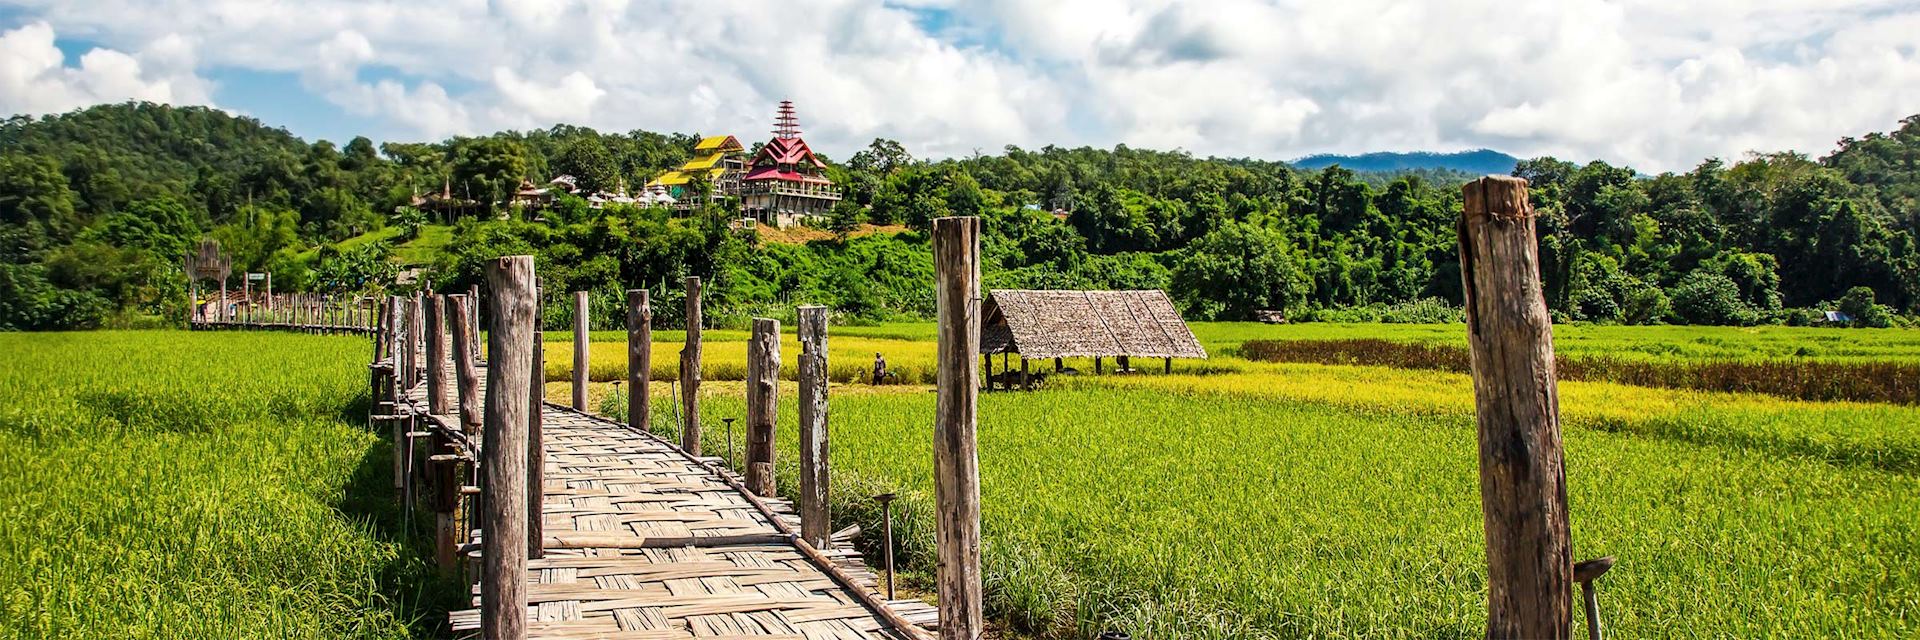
(98,206)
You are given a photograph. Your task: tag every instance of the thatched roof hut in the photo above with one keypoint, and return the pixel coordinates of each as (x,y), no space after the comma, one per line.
(1056,324)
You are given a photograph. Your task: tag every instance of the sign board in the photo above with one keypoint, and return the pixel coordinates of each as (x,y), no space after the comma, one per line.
(256,276)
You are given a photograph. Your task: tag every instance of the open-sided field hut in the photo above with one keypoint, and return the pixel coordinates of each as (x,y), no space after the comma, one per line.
(1082,324)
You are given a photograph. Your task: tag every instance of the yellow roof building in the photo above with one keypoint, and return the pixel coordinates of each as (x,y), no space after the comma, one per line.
(711,155)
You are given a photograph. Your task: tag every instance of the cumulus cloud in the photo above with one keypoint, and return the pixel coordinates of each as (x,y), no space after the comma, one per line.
(1656,84)
(35,77)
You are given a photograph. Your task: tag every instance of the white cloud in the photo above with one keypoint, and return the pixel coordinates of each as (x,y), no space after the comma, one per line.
(1653,83)
(36,79)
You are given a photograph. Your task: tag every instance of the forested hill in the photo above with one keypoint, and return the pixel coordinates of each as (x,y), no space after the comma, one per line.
(97,206)
(1478,161)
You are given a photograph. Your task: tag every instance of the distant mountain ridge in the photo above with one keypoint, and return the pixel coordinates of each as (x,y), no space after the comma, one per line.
(1479,161)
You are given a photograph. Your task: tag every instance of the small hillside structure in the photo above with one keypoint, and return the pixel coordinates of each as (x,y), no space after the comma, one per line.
(1082,324)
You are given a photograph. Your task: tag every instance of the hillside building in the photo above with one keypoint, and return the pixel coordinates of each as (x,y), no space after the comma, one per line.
(720,159)
(785,183)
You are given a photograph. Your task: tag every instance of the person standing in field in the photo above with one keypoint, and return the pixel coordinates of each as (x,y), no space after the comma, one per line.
(879,368)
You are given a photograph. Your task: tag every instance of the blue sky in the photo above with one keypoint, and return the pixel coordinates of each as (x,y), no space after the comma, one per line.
(1655,84)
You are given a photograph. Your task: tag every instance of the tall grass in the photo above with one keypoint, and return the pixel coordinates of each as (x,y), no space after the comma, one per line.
(1337,501)
(199,485)
(1803,379)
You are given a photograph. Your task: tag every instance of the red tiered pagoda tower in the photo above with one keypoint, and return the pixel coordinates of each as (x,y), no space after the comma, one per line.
(785,183)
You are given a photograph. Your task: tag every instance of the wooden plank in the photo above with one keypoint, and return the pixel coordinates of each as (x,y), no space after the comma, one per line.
(763,404)
(1523,482)
(956,463)
(815,521)
(509,373)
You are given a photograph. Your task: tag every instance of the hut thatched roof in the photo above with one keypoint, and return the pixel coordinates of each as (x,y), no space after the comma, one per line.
(1053,324)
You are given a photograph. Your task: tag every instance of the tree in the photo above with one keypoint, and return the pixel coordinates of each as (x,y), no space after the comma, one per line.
(1237,270)
(1859,303)
(1704,297)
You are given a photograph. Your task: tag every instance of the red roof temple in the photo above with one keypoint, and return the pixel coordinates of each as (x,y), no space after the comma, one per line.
(785,182)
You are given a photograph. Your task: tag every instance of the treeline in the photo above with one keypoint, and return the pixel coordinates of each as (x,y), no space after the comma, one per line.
(97,206)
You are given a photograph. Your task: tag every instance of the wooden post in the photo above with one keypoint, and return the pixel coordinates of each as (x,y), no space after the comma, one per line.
(956,461)
(397,319)
(763,408)
(639,359)
(416,334)
(1097,367)
(690,372)
(465,369)
(1026,379)
(536,438)
(1059,365)
(582,359)
(503,590)
(1168,368)
(437,356)
(815,524)
(986,364)
(1523,483)
(473,306)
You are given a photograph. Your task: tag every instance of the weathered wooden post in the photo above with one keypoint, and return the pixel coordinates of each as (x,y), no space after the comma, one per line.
(536,439)
(1026,378)
(814,456)
(639,358)
(690,372)
(763,408)
(956,462)
(437,355)
(582,359)
(1523,484)
(503,592)
(465,368)
(397,317)
(473,307)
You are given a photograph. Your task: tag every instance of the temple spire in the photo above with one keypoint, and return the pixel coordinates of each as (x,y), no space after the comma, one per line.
(786,126)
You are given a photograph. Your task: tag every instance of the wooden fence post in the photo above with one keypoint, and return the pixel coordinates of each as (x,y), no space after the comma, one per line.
(815,524)
(582,358)
(466,369)
(763,404)
(536,439)
(639,359)
(503,593)
(690,372)
(1523,482)
(436,356)
(956,461)
(395,344)
(473,307)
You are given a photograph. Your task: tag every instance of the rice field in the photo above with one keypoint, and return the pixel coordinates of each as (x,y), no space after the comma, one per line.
(199,485)
(166,484)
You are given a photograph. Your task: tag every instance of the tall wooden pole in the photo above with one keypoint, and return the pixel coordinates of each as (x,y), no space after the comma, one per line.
(437,355)
(639,358)
(814,457)
(690,372)
(503,593)
(395,344)
(465,367)
(473,306)
(1523,482)
(956,461)
(536,438)
(582,359)
(763,403)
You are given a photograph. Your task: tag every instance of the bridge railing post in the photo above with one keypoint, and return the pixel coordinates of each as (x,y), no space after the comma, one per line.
(639,359)
(536,427)
(465,366)
(690,372)
(956,462)
(815,521)
(763,404)
(436,355)
(582,356)
(1523,482)
(503,593)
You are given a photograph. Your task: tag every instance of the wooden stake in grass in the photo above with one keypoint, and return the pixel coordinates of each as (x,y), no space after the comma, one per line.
(763,408)
(1523,482)
(639,358)
(814,521)
(690,372)
(581,355)
(956,460)
(503,592)
(536,438)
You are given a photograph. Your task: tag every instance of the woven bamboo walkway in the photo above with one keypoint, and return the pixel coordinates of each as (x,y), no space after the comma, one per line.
(645,542)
